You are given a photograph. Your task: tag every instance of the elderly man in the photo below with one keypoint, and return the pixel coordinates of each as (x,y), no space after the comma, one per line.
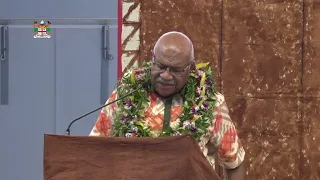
(181,100)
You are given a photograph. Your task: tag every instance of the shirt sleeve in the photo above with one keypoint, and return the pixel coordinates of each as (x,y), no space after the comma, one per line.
(103,125)
(224,136)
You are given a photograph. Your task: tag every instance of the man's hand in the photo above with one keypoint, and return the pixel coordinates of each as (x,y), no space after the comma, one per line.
(237,173)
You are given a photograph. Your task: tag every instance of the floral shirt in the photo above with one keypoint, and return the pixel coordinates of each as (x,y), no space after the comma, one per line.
(221,138)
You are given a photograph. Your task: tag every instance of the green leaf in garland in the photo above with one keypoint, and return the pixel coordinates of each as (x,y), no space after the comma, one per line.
(132,78)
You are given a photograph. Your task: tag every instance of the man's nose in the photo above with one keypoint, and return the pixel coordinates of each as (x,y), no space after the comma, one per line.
(166,75)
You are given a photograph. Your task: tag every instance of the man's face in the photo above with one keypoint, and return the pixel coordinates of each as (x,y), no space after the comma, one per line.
(168,83)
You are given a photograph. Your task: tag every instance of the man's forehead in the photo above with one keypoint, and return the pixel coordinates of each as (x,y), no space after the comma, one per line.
(171,51)
(175,61)
(172,45)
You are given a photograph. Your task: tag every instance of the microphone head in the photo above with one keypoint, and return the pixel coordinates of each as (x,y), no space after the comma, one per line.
(146,85)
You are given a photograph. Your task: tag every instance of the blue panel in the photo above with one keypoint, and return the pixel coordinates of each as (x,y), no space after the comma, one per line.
(4,66)
(111,77)
(109,64)
(12,9)
(30,112)
(79,57)
(4,81)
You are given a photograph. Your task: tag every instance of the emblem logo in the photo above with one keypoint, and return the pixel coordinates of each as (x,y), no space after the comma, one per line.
(41,30)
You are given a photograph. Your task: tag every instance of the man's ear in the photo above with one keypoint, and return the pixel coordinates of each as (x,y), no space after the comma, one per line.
(152,56)
(193,65)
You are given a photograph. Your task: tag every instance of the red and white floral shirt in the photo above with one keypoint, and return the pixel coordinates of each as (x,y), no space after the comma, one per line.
(221,138)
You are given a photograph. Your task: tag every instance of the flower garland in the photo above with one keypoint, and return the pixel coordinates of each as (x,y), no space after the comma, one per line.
(199,101)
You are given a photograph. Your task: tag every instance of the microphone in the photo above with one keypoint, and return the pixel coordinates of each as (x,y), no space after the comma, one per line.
(144,85)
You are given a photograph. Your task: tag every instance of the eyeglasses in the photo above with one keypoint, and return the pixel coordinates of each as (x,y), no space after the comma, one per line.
(174,71)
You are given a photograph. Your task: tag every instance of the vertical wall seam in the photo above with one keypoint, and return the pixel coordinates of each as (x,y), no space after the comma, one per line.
(301,99)
(55,80)
(141,47)
(119,39)
(303,44)
(221,46)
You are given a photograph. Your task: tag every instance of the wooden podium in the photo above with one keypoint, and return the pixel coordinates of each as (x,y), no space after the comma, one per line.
(101,158)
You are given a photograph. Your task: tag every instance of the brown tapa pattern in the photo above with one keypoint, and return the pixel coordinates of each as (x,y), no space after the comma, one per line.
(265,55)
